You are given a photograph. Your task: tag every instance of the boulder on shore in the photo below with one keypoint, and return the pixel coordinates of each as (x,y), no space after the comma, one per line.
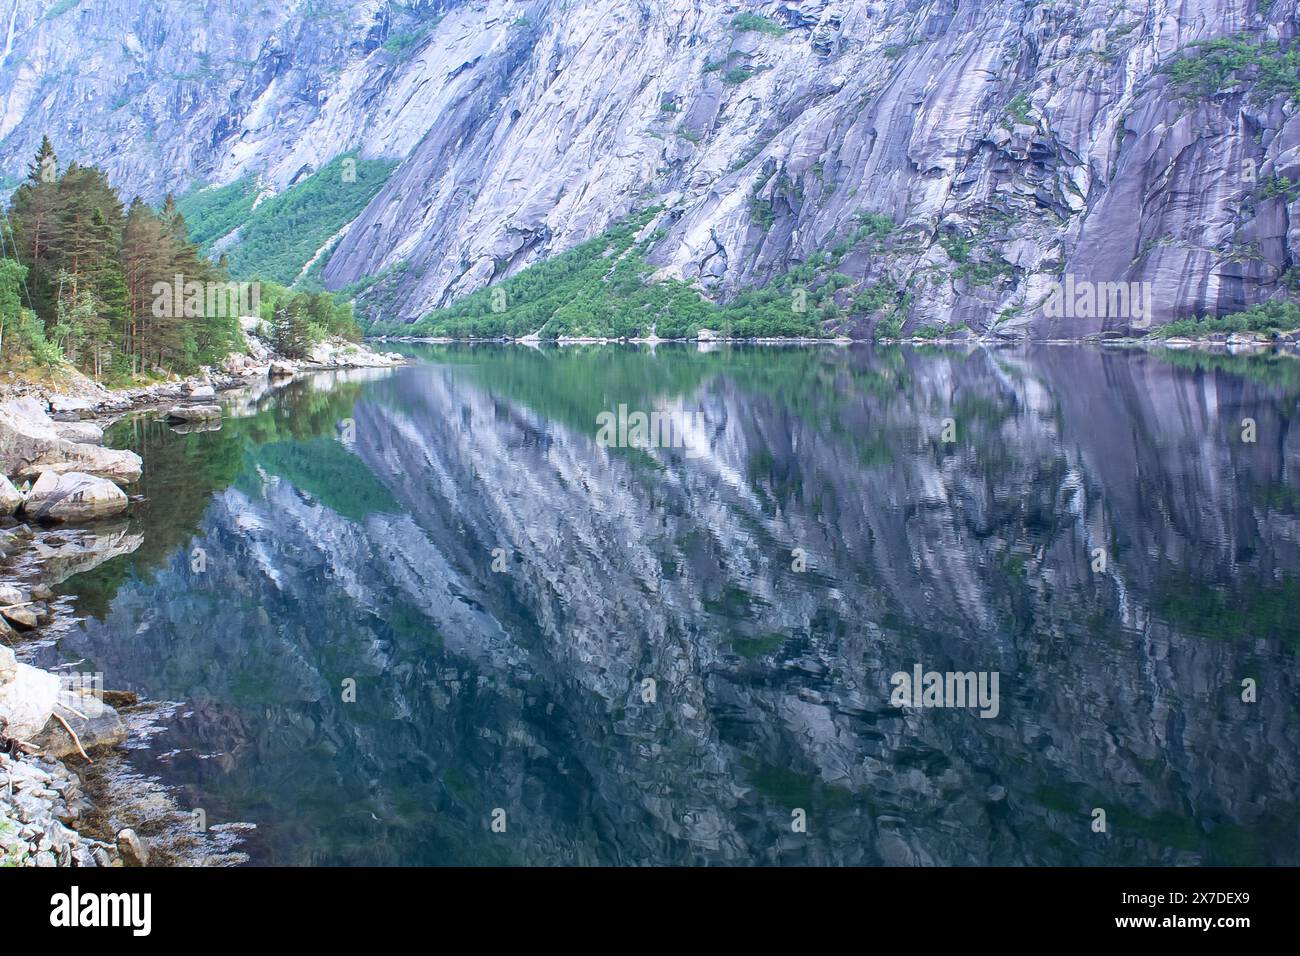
(73,496)
(27,697)
(30,444)
(11,498)
(97,726)
(83,433)
(73,406)
(194,413)
(23,617)
(201,392)
(132,848)
(282,370)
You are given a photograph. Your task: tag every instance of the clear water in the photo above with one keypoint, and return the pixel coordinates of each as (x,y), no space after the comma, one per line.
(346,528)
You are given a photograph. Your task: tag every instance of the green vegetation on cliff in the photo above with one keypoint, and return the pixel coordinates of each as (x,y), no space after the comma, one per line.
(1237,64)
(213,212)
(1272,316)
(602,288)
(278,238)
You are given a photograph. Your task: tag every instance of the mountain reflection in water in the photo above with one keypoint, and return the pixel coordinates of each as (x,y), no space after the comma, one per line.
(345,528)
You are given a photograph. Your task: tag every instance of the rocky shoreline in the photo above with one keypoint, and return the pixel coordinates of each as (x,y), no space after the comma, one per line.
(63,513)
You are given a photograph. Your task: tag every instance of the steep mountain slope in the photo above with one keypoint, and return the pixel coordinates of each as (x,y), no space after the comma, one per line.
(1013,143)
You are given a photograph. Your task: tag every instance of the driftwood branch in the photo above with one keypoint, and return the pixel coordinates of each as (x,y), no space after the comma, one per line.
(75,739)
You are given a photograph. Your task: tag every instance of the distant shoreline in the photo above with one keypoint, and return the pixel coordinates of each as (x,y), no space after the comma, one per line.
(1213,343)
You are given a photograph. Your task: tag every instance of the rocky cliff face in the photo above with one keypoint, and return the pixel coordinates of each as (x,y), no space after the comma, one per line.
(1014,143)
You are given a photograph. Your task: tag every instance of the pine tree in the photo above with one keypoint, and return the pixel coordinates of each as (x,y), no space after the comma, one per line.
(292,330)
(33,213)
(44,168)
(89,218)
(146,258)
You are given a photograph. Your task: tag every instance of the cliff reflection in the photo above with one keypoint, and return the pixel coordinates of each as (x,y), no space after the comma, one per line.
(829,537)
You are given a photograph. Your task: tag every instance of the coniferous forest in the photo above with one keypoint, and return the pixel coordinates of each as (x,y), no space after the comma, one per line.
(87,279)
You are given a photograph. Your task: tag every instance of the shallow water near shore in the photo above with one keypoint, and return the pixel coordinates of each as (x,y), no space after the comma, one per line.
(501,587)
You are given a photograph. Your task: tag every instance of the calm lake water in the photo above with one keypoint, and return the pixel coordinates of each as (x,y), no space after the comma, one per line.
(1097,533)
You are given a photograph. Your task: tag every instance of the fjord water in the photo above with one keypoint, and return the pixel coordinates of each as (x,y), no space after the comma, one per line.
(343,527)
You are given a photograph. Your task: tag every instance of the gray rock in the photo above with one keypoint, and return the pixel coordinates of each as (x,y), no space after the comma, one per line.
(201,392)
(8,665)
(132,848)
(100,728)
(86,433)
(72,405)
(73,496)
(27,699)
(11,498)
(11,595)
(23,618)
(194,413)
(31,445)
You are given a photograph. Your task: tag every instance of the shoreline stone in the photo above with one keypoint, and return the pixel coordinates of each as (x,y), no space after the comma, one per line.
(81,433)
(27,697)
(41,803)
(11,499)
(73,496)
(30,444)
(101,727)
(194,413)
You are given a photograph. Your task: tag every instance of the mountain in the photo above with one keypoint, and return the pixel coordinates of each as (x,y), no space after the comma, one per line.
(1011,144)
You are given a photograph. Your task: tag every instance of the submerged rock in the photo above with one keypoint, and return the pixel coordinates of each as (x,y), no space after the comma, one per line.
(73,496)
(121,698)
